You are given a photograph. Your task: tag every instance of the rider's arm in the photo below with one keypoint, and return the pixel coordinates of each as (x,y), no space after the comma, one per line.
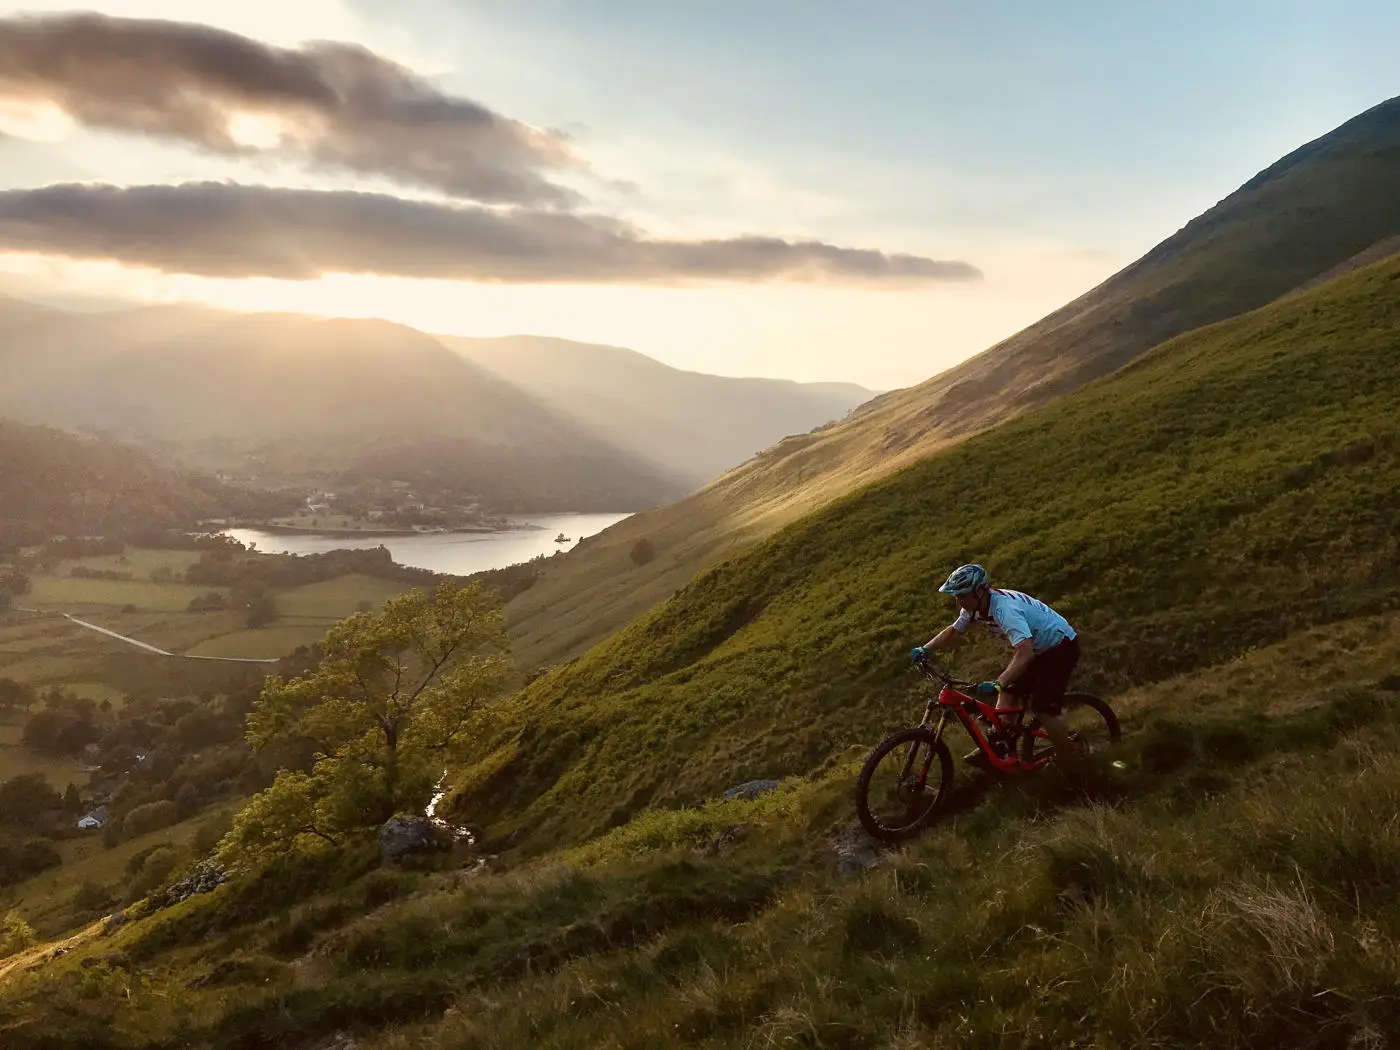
(948,636)
(1021,659)
(952,634)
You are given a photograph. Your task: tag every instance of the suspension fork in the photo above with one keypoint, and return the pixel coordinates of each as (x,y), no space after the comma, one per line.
(914,748)
(928,717)
(942,721)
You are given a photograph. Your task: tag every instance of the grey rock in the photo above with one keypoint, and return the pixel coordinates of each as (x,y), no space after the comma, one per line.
(752,789)
(205,878)
(856,852)
(399,836)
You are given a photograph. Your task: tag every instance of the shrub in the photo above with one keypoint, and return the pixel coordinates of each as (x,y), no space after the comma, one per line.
(152,816)
(15,934)
(155,868)
(91,896)
(642,551)
(209,601)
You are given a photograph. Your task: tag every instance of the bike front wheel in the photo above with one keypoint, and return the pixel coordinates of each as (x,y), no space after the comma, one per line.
(903,783)
(1093,728)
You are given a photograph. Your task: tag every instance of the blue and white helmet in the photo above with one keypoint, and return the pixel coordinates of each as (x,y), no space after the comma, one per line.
(964,579)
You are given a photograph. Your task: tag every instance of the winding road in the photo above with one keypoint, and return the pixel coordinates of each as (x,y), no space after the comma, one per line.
(149,648)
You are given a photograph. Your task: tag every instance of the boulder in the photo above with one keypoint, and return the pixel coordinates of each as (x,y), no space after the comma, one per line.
(401,836)
(750,790)
(205,878)
(856,852)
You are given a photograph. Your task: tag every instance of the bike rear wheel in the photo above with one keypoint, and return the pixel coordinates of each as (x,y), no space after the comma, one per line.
(1093,727)
(903,783)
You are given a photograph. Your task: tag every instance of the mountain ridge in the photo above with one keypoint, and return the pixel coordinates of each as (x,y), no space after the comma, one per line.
(695,423)
(1300,216)
(296,396)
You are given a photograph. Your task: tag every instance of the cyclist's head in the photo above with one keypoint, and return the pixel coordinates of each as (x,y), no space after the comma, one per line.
(968,584)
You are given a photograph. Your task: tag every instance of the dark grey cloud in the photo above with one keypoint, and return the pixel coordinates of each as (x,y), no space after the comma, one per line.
(229,230)
(338,106)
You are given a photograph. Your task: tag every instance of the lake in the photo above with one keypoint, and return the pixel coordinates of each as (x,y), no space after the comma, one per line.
(459,553)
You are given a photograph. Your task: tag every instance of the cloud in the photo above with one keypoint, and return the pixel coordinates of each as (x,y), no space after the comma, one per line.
(228,230)
(339,106)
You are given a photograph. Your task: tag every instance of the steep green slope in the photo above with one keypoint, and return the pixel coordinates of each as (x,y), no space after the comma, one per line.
(696,425)
(1314,209)
(1240,891)
(1237,483)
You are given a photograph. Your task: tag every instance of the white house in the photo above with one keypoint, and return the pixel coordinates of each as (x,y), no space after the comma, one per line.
(94,820)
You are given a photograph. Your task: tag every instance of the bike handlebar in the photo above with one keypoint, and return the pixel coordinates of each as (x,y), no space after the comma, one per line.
(931,669)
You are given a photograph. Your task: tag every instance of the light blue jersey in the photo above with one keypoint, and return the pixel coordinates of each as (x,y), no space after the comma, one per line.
(1016,617)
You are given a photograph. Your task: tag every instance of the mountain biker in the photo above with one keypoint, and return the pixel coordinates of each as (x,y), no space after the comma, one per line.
(1046,650)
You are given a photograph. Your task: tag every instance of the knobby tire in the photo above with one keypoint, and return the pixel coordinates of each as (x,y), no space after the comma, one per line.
(940,776)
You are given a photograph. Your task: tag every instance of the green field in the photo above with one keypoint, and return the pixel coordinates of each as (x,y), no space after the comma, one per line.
(333,600)
(15,760)
(279,639)
(66,593)
(50,650)
(139,561)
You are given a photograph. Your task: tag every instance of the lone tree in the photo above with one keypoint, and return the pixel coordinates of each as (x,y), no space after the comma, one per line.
(642,551)
(366,733)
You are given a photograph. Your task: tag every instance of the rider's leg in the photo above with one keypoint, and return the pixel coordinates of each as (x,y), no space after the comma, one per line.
(1057,728)
(1047,701)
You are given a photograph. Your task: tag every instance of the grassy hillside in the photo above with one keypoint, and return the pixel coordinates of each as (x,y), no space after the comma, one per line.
(696,425)
(287,394)
(1314,209)
(1236,888)
(1236,484)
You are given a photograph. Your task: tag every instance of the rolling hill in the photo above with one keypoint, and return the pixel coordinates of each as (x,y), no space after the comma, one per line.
(1315,209)
(284,395)
(54,482)
(696,425)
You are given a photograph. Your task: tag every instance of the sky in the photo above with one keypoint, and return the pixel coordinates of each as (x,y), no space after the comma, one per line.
(807,189)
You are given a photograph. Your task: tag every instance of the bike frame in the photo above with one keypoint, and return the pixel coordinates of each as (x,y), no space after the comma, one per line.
(965,708)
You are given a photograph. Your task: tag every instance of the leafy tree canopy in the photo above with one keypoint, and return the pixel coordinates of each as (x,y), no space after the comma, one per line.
(394,692)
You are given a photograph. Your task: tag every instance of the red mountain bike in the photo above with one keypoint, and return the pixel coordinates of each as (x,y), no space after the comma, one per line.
(897,798)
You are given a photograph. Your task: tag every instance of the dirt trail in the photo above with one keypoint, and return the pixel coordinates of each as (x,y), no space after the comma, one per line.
(41,953)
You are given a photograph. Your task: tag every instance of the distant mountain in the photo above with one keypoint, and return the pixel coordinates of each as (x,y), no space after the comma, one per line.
(54,482)
(1321,206)
(286,395)
(693,424)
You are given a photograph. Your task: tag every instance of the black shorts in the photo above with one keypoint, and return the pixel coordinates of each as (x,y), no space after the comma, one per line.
(1047,678)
